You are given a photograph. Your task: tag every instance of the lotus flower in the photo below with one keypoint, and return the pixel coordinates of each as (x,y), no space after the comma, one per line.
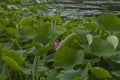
(56,44)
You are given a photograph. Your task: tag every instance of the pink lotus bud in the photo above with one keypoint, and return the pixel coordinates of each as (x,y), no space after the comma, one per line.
(56,44)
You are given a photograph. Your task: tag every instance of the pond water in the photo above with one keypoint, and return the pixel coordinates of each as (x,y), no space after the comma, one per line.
(69,8)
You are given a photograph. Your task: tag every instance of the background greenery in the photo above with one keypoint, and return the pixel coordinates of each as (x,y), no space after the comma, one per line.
(89,46)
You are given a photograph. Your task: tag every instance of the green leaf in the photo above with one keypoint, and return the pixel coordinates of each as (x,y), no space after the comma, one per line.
(26,32)
(102,47)
(13,1)
(1,10)
(91,26)
(78,78)
(116,73)
(52,75)
(10,30)
(70,41)
(99,72)
(4,74)
(82,34)
(109,21)
(45,33)
(69,75)
(4,22)
(15,56)
(33,9)
(67,58)
(26,21)
(116,58)
(10,14)
(57,19)
(84,72)
(10,62)
(59,30)
(118,36)
(47,48)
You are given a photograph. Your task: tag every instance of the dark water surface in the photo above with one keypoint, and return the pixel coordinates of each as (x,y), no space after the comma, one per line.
(69,8)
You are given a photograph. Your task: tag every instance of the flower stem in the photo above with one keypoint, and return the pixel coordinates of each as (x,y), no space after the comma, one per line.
(35,68)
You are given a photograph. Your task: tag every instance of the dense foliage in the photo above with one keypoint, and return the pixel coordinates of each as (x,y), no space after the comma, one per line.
(35,46)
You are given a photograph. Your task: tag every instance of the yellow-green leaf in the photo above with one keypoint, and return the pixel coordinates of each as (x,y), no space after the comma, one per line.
(11,63)
(113,40)
(99,72)
(15,56)
(89,38)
